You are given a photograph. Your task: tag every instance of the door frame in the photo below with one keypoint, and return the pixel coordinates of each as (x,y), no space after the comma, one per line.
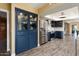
(8,32)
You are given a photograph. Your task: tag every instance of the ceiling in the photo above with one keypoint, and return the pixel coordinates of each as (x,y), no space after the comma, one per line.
(72,21)
(36,5)
(59,7)
(70,13)
(57,11)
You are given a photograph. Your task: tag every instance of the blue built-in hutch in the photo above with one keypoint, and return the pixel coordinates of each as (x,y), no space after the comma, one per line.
(26,30)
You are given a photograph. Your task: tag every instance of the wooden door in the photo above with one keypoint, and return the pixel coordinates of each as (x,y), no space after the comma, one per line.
(3,34)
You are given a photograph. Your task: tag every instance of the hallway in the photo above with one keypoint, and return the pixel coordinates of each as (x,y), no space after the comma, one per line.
(56,47)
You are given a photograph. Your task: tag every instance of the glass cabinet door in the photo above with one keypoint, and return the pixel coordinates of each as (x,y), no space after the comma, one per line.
(33,22)
(22,21)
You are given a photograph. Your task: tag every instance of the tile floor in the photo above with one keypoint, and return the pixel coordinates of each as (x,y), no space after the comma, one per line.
(56,47)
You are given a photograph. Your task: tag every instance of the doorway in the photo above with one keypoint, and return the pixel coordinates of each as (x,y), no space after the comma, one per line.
(4,31)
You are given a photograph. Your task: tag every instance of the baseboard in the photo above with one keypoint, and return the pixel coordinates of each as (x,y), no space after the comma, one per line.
(67,34)
(13,54)
(8,50)
(38,45)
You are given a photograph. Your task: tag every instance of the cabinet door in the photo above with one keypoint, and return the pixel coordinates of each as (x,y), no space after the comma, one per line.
(26,40)
(32,39)
(20,44)
(32,31)
(21,31)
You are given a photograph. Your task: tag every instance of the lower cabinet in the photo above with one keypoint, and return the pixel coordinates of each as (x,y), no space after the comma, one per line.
(22,42)
(49,34)
(57,34)
(20,47)
(32,39)
(26,41)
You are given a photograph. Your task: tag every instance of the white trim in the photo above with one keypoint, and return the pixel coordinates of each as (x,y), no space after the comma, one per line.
(38,32)
(12,54)
(13,31)
(8,39)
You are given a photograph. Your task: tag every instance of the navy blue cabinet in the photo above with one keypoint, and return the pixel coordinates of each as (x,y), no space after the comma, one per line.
(26,30)
(33,39)
(49,36)
(57,34)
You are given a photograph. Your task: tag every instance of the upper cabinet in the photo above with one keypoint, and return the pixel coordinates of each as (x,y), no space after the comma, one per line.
(26,20)
(22,21)
(56,23)
(33,22)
